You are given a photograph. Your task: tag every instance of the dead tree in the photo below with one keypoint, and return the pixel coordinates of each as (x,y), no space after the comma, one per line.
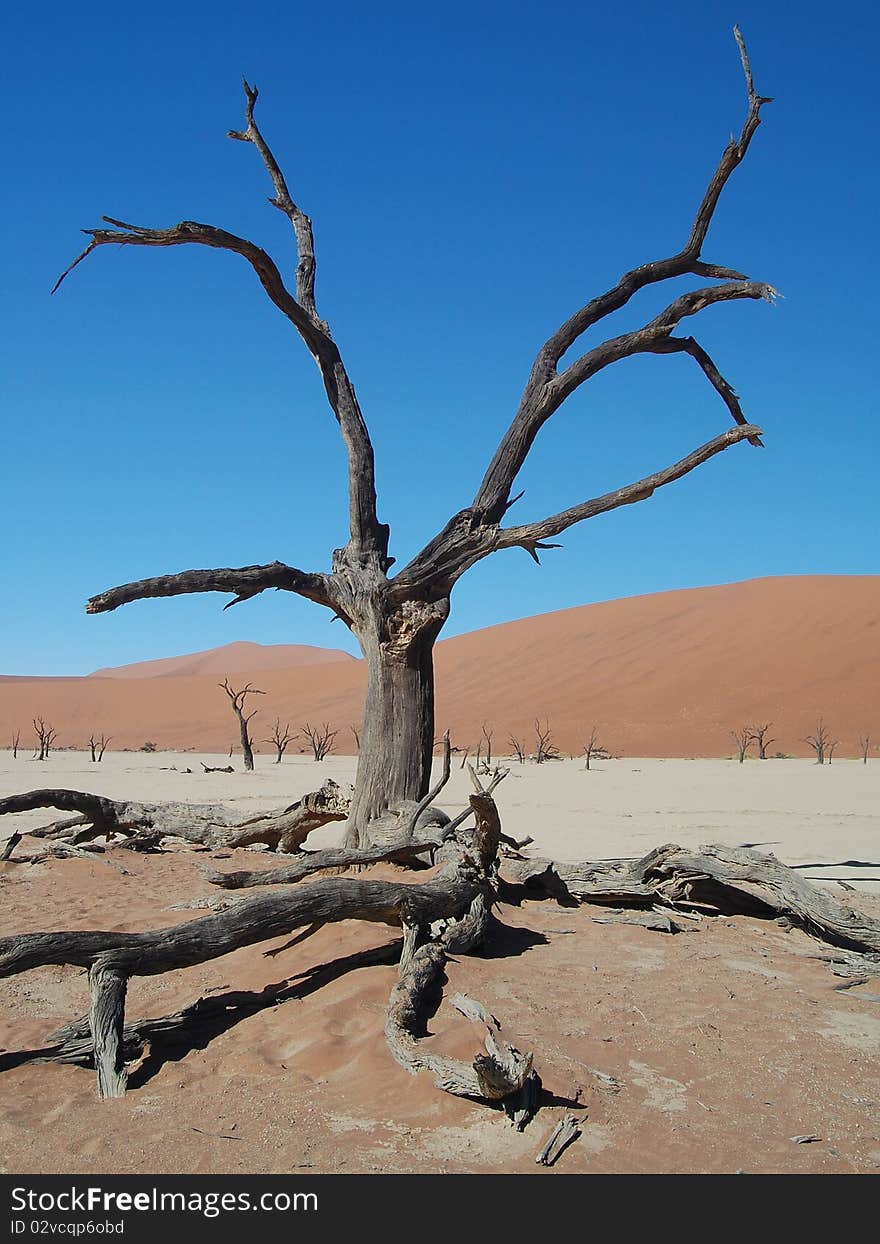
(864,747)
(98,747)
(46,736)
(820,741)
(487,734)
(518,748)
(759,734)
(280,738)
(594,750)
(237,699)
(545,748)
(357,737)
(397,618)
(16,741)
(830,749)
(320,739)
(743,738)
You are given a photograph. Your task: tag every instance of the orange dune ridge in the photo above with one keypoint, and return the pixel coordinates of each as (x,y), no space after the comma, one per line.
(670,674)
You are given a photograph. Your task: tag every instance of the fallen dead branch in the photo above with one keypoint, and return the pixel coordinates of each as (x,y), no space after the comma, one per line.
(714,879)
(567,1130)
(208,824)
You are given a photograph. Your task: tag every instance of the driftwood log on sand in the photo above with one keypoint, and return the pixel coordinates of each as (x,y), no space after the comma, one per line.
(713,879)
(207,824)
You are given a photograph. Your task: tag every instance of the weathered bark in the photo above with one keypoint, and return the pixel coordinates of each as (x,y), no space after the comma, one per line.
(502,1071)
(255,919)
(209,824)
(499,1072)
(107,1020)
(397,738)
(567,1130)
(715,878)
(9,846)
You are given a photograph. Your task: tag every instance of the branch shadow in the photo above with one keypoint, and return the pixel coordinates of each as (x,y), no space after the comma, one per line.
(505,941)
(170,1038)
(838,864)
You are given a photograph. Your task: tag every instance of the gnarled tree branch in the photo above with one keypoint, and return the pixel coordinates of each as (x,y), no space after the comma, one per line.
(369,537)
(242,582)
(302,226)
(465,540)
(530,534)
(494,491)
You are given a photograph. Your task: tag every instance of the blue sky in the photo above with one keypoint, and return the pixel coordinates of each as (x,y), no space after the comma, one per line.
(474,172)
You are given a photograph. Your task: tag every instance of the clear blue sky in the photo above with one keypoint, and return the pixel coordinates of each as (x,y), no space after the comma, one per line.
(475,171)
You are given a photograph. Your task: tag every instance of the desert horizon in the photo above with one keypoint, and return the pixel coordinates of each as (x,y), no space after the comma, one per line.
(666,674)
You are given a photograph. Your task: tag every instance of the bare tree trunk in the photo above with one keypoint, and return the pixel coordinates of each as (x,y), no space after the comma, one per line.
(246,749)
(397,737)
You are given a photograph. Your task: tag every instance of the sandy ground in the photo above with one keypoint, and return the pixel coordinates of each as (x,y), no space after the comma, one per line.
(724,1042)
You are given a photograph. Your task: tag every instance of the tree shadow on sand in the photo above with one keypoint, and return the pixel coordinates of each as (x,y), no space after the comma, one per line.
(170,1038)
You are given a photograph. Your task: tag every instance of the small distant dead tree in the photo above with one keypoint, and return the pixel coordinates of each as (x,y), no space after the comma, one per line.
(743,738)
(546,749)
(320,739)
(280,738)
(759,734)
(864,747)
(517,747)
(830,749)
(16,740)
(357,736)
(594,750)
(820,741)
(46,736)
(237,699)
(98,747)
(487,734)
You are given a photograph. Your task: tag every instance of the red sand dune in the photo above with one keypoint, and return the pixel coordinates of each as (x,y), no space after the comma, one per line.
(230,659)
(664,675)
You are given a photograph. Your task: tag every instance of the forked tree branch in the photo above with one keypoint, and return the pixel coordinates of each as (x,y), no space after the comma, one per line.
(302,226)
(369,537)
(537,403)
(464,542)
(649,339)
(529,535)
(243,582)
(689,345)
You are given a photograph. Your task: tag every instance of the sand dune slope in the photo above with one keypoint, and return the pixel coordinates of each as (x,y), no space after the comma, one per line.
(230,659)
(663,675)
